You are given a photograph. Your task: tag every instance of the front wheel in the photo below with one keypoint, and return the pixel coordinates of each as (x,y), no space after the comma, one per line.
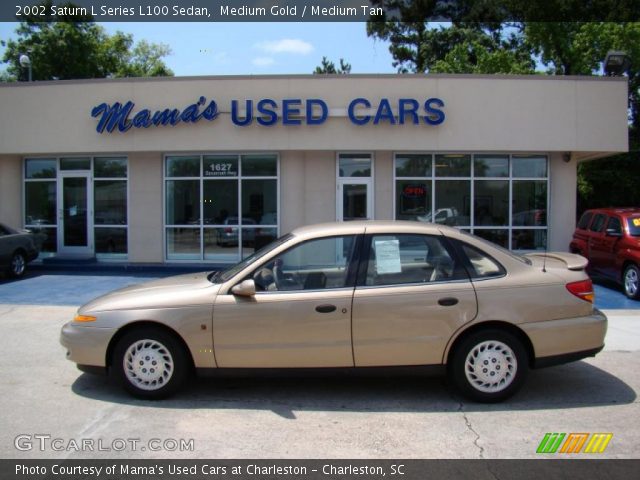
(488,366)
(631,282)
(18,265)
(150,363)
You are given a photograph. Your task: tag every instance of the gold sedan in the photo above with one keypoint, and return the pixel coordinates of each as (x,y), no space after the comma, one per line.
(346,296)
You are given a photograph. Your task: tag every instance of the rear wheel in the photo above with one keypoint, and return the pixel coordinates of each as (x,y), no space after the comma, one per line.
(18,265)
(631,281)
(488,366)
(150,363)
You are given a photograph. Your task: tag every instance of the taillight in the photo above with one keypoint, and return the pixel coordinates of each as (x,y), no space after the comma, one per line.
(582,289)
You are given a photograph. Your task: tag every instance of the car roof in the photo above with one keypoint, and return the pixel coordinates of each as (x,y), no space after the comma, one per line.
(371,226)
(616,210)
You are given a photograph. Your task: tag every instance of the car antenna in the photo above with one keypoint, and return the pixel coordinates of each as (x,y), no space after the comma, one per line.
(544,259)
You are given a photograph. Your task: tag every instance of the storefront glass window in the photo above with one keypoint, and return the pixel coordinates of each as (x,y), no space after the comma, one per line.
(220,202)
(491,165)
(183,202)
(183,167)
(529,203)
(529,166)
(40,203)
(491,202)
(210,204)
(74,163)
(354,165)
(111,240)
(503,198)
(453,165)
(183,243)
(40,168)
(413,199)
(452,203)
(110,167)
(412,165)
(259,166)
(110,202)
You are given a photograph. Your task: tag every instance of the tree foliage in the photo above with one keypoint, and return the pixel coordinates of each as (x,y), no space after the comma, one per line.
(328,67)
(76,47)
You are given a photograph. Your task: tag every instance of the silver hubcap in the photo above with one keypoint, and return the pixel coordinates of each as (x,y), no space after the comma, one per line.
(148,364)
(490,366)
(631,281)
(18,264)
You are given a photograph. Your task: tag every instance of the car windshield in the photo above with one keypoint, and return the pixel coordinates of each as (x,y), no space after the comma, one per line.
(219,277)
(634,226)
(520,258)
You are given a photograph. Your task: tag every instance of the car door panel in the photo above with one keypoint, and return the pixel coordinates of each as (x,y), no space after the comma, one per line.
(412,294)
(282,329)
(406,325)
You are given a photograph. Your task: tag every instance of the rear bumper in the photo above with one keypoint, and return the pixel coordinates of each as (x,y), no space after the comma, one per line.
(86,346)
(568,339)
(545,362)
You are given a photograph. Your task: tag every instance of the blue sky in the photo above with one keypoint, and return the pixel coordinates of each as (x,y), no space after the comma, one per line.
(256,48)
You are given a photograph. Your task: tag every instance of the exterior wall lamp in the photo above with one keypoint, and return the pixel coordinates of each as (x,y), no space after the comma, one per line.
(616,63)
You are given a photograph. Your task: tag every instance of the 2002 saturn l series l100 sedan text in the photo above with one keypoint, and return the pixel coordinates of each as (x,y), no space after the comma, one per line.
(350,295)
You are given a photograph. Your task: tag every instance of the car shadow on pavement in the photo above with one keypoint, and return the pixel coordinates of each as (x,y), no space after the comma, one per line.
(568,386)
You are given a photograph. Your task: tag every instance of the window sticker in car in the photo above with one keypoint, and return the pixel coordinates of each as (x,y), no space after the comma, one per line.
(636,222)
(387,256)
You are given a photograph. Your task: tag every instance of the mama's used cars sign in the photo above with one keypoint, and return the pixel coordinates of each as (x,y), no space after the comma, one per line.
(268,112)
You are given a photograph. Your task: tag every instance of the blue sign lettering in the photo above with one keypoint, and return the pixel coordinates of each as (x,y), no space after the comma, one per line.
(117,115)
(268,112)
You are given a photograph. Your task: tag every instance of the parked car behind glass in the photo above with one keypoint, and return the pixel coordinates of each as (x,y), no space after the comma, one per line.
(350,295)
(17,248)
(610,239)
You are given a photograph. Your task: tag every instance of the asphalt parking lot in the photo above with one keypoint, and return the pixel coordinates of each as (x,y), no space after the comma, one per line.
(380,417)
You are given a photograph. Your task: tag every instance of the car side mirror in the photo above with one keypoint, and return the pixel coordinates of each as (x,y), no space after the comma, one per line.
(247,288)
(612,232)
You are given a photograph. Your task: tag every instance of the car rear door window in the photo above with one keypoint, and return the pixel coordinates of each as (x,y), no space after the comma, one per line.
(481,264)
(614,225)
(398,259)
(598,222)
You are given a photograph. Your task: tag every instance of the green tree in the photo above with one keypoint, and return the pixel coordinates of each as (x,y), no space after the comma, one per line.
(465,47)
(76,47)
(328,67)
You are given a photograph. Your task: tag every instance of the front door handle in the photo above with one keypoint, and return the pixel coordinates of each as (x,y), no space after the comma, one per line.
(448,301)
(325,308)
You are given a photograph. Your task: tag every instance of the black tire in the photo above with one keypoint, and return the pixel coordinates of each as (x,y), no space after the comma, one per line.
(139,349)
(503,352)
(631,281)
(18,265)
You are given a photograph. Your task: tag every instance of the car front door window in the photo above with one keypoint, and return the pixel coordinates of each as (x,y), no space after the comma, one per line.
(314,265)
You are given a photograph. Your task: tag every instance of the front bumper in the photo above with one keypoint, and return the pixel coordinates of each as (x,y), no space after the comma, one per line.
(86,345)
(568,338)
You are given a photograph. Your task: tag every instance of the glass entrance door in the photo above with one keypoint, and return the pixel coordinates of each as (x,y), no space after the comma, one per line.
(75,214)
(354,200)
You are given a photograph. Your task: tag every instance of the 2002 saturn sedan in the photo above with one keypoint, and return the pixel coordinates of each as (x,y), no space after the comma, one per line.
(350,295)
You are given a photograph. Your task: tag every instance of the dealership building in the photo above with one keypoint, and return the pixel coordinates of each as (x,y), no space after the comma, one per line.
(206,169)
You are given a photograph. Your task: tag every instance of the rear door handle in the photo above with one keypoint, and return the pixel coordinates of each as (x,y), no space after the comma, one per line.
(325,308)
(448,301)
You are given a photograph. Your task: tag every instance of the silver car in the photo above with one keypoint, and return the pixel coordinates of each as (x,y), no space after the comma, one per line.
(343,296)
(17,248)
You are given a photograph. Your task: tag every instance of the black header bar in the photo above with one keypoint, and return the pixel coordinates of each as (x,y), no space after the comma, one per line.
(486,11)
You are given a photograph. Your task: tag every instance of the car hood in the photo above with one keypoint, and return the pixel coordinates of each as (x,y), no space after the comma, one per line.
(170,292)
